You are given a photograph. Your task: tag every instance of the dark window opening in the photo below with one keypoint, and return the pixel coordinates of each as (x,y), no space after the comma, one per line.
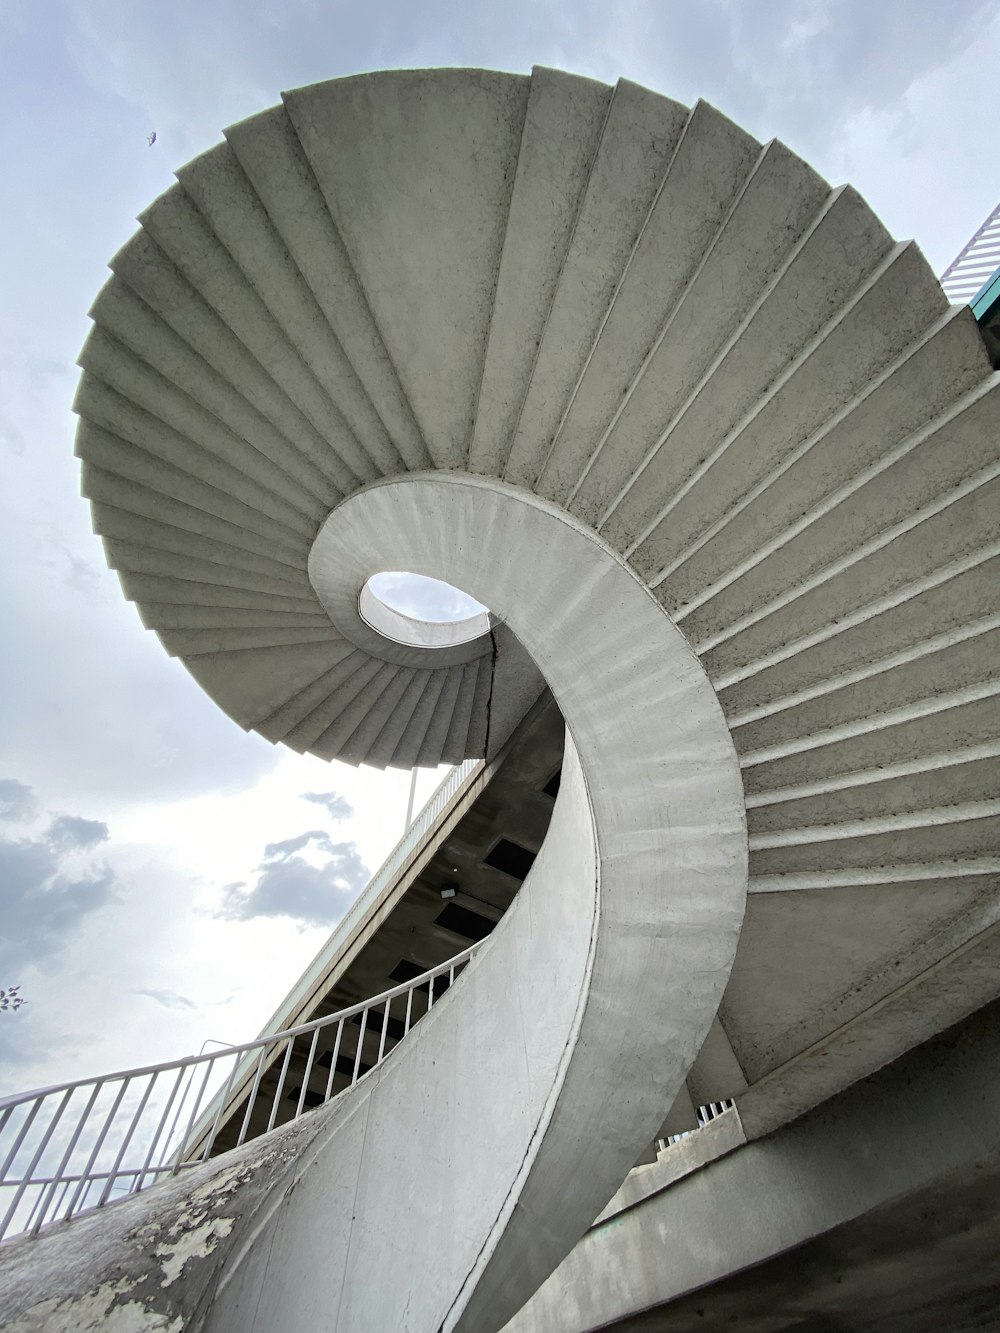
(462,921)
(310,1099)
(551,787)
(395,1028)
(345,1064)
(406,971)
(511,858)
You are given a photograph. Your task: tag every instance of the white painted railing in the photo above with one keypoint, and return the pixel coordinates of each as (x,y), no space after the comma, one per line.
(81,1145)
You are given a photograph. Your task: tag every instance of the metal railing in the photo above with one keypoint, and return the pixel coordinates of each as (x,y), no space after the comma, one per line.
(78,1146)
(706,1114)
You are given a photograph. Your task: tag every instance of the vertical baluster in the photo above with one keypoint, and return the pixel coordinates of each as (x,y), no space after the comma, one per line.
(64,1162)
(157,1138)
(62,1199)
(281,1083)
(409,1011)
(83,1187)
(185,1071)
(140,1109)
(22,1134)
(430,993)
(36,1157)
(361,1038)
(385,1029)
(182,1146)
(252,1098)
(308,1074)
(333,1060)
(223,1102)
(28,1226)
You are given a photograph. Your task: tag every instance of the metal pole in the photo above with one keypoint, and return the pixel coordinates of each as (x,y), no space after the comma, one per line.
(409,803)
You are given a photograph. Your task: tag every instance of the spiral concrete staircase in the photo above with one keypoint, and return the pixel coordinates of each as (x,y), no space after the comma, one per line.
(714,449)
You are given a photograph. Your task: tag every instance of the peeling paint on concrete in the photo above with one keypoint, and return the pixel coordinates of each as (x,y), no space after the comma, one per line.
(96,1312)
(198,1243)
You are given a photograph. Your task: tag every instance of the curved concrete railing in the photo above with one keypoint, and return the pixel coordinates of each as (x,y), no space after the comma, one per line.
(529,1101)
(519,1109)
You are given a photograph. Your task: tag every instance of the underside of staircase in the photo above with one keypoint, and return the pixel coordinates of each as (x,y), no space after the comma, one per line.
(600,351)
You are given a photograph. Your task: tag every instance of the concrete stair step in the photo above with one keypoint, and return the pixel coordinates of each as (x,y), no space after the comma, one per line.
(686,411)
(106,487)
(692,261)
(140,470)
(195,642)
(817,385)
(164,569)
(356,702)
(431,751)
(192,435)
(151,589)
(426,244)
(399,740)
(151,274)
(374,741)
(293,707)
(275,163)
(306,733)
(776,204)
(937,668)
(965,776)
(639,136)
(133,324)
(880,425)
(184,235)
(456,743)
(165,542)
(255,685)
(224,196)
(562,130)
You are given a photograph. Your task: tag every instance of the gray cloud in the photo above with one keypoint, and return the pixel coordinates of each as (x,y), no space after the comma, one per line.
(312,892)
(169,999)
(73,833)
(44,894)
(17,801)
(335,805)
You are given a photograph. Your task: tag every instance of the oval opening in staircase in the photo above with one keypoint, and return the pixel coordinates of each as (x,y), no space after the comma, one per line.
(420,611)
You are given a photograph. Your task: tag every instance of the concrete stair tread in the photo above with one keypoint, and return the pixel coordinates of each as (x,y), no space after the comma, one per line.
(684,337)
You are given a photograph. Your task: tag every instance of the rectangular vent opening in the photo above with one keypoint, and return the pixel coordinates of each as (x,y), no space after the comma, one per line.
(345,1064)
(462,921)
(395,1027)
(511,858)
(310,1099)
(406,971)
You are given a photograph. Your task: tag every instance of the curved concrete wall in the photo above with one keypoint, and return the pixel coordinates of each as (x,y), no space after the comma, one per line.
(633,1000)
(443,1189)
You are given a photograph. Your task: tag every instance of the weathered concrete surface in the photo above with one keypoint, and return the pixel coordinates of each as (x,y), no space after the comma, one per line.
(149,1263)
(464,1167)
(881,1205)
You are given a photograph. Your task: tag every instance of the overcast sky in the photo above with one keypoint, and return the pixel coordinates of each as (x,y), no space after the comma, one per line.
(163,876)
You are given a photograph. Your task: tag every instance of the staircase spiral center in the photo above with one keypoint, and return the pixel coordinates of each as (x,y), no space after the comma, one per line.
(421,611)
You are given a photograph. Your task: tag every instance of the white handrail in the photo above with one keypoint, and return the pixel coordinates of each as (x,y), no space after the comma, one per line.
(65,1149)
